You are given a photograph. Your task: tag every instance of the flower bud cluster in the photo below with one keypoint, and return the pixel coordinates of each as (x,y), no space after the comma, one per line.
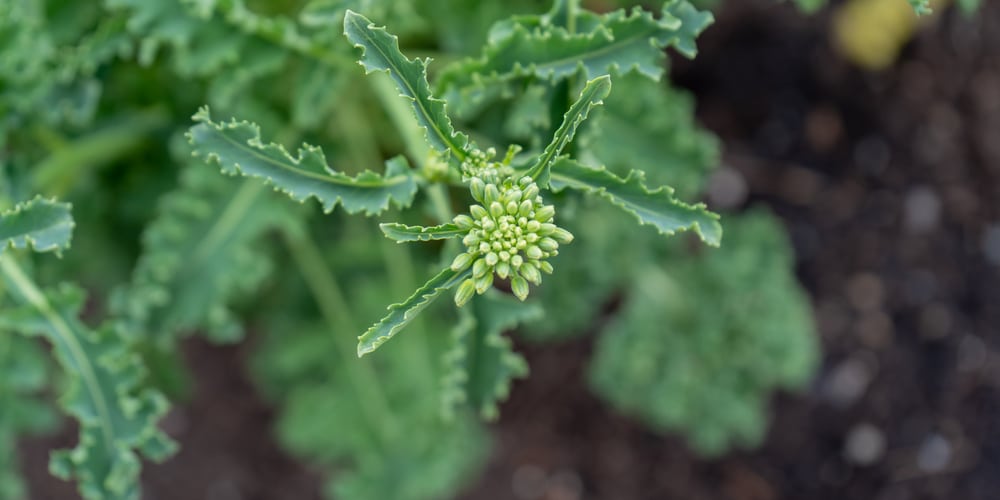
(480,164)
(511,234)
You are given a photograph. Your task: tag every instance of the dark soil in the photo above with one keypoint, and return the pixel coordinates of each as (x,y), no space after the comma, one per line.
(887,183)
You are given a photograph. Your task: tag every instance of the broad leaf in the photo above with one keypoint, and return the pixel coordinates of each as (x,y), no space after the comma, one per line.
(236,147)
(614,42)
(402,233)
(117,417)
(482,363)
(202,251)
(657,208)
(401,314)
(592,95)
(41,225)
(700,343)
(380,52)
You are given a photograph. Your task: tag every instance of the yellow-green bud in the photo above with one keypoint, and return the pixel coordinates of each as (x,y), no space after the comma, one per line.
(465,292)
(461,262)
(520,287)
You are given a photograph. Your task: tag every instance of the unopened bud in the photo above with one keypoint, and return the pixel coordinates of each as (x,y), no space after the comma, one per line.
(465,292)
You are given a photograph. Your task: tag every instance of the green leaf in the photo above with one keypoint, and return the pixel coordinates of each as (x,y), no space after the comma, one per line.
(236,147)
(614,42)
(402,233)
(41,225)
(592,95)
(402,313)
(667,145)
(380,52)
(700,343)
(481,363)
(201,252)
(23,408)
(657,208)
(117,416)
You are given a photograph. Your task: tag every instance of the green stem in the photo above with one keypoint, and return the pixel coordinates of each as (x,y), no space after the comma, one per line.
(337,312)
(64,166)
(401,115)
(61,334)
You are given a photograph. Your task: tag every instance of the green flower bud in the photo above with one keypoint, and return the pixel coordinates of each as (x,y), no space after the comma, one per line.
(533,226)
(492,194)
(548,244)
(545,266)
(511,207)
(545,213)
(480,268)
(520,287)
(531,273)
(489,225)
(562,236)
(478,212)
(517,261)
(530,193)
(484,283)
(547,229)
(525,208)
(525,181)
(461,262)
(503,270)
(465,292)
(471,240)
(492,259)
(464,222)
(478,188)
(496,209)
(533,252)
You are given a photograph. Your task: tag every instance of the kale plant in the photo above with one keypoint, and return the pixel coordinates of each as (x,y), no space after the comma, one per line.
(541,169)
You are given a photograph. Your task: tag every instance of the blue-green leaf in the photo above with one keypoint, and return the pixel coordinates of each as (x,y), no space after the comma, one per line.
(236,147)
(402,233)
(41,225)
(657,207)
(402,313)
(203,250)
(481,363)
(535,46)
(380,52)
(117,416)
(592,95)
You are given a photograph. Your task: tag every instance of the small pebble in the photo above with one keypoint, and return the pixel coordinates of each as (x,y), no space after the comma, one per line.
(865,292)
(727,188)
(848,381)
(935,454)
(991,244)
(972,353)
(935,321)
(922,210)
(865,444)
(528,482)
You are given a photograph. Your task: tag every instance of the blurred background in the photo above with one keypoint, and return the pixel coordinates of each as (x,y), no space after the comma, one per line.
(880,153)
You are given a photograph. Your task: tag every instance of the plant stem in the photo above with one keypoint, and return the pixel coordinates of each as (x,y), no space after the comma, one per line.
(335,310)
(60,171)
